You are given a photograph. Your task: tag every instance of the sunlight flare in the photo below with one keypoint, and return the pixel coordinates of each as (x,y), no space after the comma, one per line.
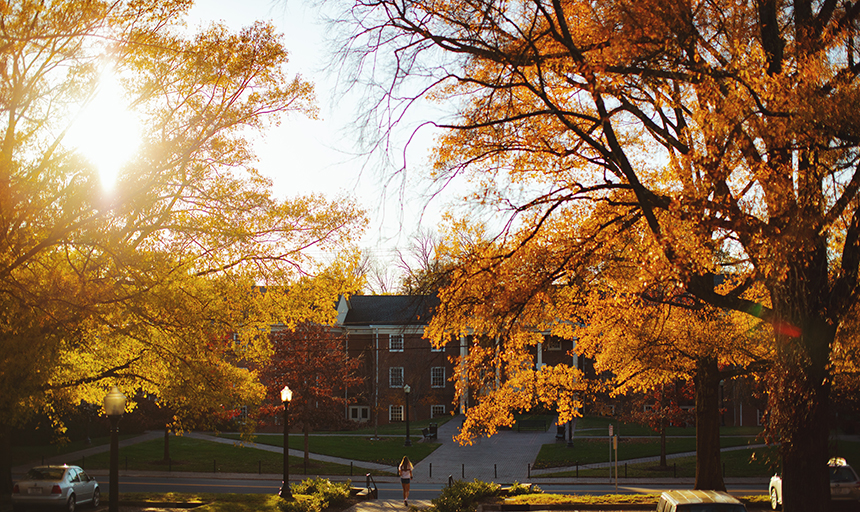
(106,132)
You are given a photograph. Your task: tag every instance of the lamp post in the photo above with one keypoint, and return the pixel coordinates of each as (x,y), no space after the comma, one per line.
(114,405)
(407,389)
(286,396)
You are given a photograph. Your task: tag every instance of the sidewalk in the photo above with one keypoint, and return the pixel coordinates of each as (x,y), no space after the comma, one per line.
(504,458)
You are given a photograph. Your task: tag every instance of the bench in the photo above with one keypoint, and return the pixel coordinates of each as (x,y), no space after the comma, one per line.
(430,432)
(531,425)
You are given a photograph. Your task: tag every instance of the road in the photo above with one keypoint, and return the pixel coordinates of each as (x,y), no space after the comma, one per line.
(387,490)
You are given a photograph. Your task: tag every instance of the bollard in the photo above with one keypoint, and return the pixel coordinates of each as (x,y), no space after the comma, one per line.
(450,481)
(463,471)
(495,473)
(577,469)
(530,470)
(431,470)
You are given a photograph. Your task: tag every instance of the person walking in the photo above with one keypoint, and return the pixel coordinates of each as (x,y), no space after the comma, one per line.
(405,470)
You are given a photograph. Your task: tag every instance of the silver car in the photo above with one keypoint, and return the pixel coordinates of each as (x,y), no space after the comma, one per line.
(60,486)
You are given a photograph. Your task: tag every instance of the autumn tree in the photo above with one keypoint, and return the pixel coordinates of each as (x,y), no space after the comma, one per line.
(660,408)
(141,283)
(312,361)
(716,128)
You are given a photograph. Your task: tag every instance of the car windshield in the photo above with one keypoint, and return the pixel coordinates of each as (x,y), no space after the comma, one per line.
(45,473)
(841,474)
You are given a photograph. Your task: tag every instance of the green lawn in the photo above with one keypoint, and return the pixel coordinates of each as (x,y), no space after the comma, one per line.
(35,454)
(752,462)
(591,450)
(385,450)
(204,456)
(393,429)
(599,426)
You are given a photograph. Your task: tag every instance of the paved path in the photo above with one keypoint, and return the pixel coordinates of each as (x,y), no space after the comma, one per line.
(503,458)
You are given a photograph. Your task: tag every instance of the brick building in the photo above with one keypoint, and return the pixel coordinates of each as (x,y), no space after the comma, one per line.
(385,332)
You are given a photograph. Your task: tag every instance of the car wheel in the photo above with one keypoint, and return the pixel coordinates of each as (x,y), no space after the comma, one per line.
(774,499)
(70,505)
(97,499)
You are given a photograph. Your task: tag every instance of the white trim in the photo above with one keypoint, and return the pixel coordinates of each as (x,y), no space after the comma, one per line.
(391,409)
(432,377)
(392,380)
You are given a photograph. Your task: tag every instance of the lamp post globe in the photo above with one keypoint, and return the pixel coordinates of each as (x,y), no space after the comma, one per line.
(286,396)
(407,390)
(114,406)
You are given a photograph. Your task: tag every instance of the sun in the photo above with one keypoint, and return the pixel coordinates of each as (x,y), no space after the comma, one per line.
(106,132)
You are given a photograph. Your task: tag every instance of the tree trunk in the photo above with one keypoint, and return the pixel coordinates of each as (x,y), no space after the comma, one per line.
(804,385)
(663,463)
(5,468)
(307,431)
(166,444)
(709,473)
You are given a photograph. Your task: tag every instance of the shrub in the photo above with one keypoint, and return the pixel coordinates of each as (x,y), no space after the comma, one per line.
(464,496)
(302,503)
(517,489)
(315,495)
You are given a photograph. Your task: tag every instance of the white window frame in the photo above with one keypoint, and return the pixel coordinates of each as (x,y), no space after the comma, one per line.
(396,346)
(359,413)
(395,418)
(435,380)
(395,374)
(437,410)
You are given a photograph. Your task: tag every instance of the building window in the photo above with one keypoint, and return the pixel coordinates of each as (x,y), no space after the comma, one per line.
(395,413)
(360,413)
(435,349)
(437,377)
(395,343)
(437,410)
(553,343)
(395,377)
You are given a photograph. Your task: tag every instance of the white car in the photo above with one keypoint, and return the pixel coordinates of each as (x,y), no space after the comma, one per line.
(844,483)
(60,486)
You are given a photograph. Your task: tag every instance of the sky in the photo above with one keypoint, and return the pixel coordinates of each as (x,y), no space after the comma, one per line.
(320,156)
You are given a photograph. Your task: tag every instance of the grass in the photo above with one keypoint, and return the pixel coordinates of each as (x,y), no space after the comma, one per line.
(210,502)
(604,499)
(36,454)
(394,429)
(599,426)
(387,450)
(593,450)
(194,455)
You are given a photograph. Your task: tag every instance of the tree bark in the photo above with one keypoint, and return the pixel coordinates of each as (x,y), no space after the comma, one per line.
(307,431)
(805,408)
(166,444)
(5,468)
(709,473)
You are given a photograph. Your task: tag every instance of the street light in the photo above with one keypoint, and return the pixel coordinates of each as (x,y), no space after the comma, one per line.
(286,396)
(407,389)
(114,405)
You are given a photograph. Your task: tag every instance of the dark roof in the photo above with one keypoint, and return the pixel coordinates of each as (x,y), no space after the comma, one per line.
(390,309)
